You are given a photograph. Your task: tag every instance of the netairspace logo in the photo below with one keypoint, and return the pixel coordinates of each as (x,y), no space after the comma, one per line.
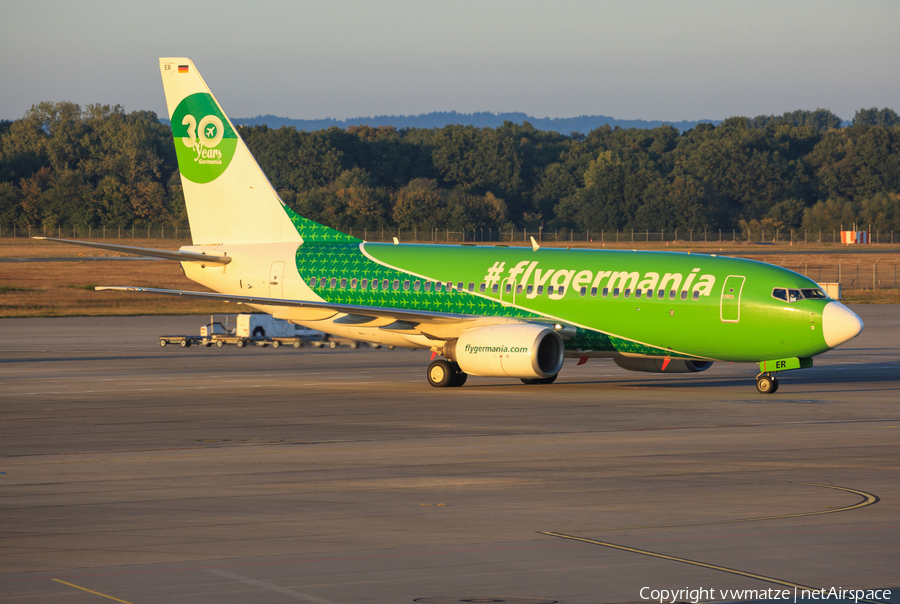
(671,596)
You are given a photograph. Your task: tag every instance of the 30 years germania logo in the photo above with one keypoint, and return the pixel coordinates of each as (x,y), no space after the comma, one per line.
(205,142)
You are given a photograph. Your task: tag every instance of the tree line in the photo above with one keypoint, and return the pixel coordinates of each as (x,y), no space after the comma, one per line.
(64,166)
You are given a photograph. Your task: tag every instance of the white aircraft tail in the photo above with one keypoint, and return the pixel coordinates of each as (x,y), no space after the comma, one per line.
(229,199)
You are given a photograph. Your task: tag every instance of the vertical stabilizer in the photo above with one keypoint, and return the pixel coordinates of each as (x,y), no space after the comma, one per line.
(229,199)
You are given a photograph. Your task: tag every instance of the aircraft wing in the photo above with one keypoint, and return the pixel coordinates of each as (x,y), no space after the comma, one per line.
(142,251)
(432,324)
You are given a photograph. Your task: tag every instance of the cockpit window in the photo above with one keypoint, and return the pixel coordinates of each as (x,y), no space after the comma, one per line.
(795,295)
(814,294)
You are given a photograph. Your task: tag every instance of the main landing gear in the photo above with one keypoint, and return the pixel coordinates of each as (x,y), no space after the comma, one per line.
(766,383)
(442,374)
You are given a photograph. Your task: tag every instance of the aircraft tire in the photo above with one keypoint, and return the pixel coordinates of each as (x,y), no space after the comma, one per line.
(460,378)
(440,374)
(767,384)
(547,380)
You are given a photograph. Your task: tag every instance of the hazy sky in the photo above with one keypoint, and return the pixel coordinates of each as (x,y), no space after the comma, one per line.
(629,59)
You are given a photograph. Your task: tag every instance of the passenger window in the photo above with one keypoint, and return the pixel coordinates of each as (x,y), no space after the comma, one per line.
(583,291)
(605,292)
(627,293)
(323,282)
(481,288)
(696,295)
(449,286)
(333,282)
(684,295)
(396,284)
(417,286)
(374,283)
(671,294)
(459,286)
(637,293)
(428,286)
(471,287)
(405,285)
(615,292)
(343,283)
(438,286)
(661,294)
(364,283)
(518,289)
(550,290)
(508,288)
(561,291)
(495,288)
(352,283)
(529,289)
(794,295)
(540,289)
(649,294)
(313,281)
(593,292)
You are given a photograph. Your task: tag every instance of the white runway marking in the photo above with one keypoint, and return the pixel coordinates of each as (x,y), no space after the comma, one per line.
(271,586)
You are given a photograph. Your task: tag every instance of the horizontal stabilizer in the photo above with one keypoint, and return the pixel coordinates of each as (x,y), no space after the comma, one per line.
(142,251)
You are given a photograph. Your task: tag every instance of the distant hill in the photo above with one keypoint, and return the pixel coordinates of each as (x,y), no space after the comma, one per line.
(484,119)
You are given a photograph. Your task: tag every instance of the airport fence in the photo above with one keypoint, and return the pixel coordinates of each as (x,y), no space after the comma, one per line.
(477,235)
(853,271)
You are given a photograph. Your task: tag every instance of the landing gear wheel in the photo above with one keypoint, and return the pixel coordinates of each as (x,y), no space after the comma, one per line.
(459,378)
(440,374)
(220,343)
(767,384)
(547,380)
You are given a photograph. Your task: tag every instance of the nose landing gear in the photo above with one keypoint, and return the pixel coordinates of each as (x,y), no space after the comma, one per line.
(766,383)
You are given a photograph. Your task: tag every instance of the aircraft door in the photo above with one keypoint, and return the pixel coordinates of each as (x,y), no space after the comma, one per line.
(730,307)
(276,275)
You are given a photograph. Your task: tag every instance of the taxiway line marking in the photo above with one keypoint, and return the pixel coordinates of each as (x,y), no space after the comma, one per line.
(868,499)
(723,569)
(91,591)
(271,586)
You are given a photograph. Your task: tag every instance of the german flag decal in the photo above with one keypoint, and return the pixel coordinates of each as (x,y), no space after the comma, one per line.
(182,69)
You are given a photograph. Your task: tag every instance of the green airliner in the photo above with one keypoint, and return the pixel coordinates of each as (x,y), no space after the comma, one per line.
(494,311)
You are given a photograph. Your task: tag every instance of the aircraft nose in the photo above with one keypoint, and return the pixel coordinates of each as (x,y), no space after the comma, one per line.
(839,324)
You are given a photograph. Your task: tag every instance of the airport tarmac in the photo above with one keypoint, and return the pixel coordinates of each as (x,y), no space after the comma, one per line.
(138,474)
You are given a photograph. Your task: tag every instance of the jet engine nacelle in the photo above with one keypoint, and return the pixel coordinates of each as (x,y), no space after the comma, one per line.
(517,350)
(656,365)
